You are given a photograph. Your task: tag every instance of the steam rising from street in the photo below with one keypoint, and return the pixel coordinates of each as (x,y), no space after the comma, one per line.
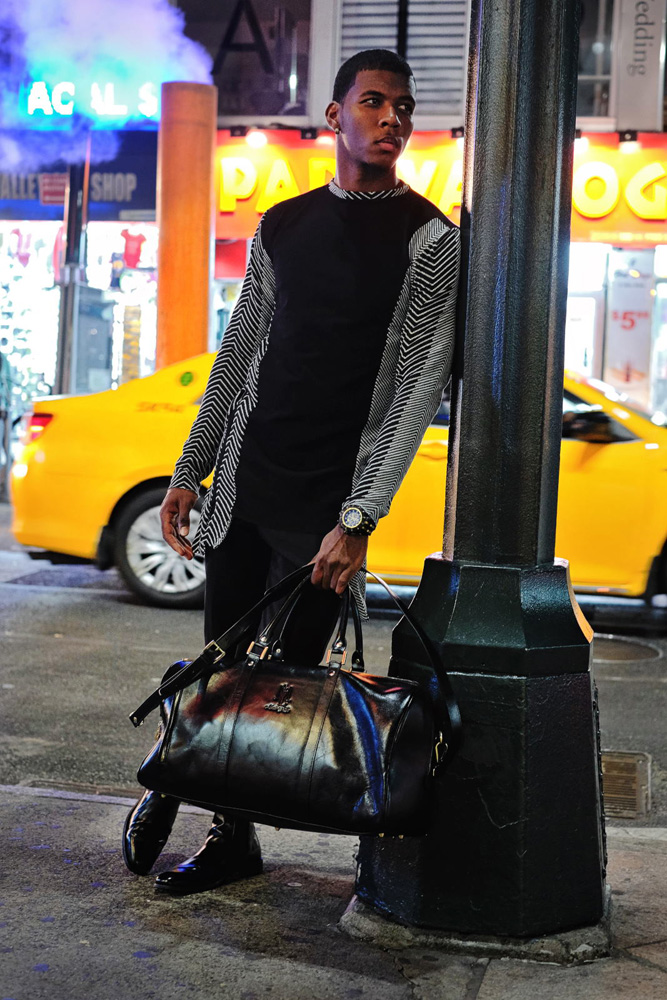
(98,54)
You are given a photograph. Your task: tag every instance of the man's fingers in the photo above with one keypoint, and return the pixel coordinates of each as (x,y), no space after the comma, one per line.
(340,582)
(175,520)
(336,574)
(185,548)
(184,508)
(326,577)
(321,575)
(177,542)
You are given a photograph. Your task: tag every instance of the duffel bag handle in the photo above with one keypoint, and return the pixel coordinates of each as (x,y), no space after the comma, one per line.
(338,646)
(445,700)
(215,651)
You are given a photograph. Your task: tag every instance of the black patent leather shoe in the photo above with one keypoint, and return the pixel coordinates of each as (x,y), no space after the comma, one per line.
(230,852)
(147,830)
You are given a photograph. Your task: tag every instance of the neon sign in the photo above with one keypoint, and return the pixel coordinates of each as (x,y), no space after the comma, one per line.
(101,100)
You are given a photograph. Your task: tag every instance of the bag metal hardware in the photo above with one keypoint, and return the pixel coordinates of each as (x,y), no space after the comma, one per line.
(257,651)
(214,647)
(337,656)
(282,703)
(441,749)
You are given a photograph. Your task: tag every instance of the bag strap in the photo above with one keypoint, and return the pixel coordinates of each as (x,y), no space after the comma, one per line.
(446,704)
(216,650)
(213,653)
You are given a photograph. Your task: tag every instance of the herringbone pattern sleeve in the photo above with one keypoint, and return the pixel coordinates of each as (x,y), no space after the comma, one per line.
(407,396)
(247,327)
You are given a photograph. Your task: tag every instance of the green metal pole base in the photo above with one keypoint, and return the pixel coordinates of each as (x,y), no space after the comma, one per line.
(516,843)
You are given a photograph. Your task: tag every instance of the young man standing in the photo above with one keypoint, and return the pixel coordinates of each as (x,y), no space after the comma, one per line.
(331,369)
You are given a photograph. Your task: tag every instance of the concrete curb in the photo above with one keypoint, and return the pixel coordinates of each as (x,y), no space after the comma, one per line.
(575,947)
(112,800)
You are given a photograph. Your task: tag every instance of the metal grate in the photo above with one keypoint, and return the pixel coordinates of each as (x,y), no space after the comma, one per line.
(368,24)
(437,46)
(438,52)
(626,784)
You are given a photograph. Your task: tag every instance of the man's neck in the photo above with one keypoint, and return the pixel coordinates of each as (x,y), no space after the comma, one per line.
(358,177)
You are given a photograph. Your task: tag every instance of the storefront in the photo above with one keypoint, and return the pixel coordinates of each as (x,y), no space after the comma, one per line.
(617,304)
(115,322)
(617,307)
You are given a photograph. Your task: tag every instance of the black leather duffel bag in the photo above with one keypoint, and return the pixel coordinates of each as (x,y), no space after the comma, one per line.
(317,747)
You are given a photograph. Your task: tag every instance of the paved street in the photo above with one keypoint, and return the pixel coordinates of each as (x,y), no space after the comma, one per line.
(79,653)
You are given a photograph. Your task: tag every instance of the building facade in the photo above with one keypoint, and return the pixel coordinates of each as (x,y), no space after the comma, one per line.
(274,62)
(617,307)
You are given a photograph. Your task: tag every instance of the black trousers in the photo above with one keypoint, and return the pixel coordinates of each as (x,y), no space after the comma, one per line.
(249,561)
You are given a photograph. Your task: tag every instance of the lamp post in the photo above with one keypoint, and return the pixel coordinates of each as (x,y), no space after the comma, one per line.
(516,843)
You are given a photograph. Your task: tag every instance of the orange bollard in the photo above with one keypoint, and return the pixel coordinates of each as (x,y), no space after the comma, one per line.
(185,214)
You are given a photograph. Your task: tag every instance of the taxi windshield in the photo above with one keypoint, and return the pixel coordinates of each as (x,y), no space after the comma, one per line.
(656,417)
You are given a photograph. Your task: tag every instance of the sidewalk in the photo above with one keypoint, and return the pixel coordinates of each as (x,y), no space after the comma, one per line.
(75,925)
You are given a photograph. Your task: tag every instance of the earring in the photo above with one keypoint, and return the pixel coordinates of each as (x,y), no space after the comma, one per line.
(336,130)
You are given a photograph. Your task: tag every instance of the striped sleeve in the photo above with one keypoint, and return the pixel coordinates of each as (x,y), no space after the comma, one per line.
(247,327)
(424,364)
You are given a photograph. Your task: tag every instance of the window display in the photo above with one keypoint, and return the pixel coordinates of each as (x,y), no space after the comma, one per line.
(122,264)
(29,304)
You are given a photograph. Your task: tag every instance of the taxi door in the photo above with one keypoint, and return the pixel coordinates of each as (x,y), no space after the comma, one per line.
(414,527)
(602,502)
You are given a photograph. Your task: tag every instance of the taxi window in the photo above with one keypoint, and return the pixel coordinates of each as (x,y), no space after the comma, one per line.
(573,404)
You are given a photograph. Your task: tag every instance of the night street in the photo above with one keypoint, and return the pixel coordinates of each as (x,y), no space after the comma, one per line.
(352,294)
(81,653)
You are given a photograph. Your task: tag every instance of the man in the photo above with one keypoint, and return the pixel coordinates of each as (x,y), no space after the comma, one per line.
(330,371)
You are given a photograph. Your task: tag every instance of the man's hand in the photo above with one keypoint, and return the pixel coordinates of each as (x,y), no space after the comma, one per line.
(175,519)
(339,558)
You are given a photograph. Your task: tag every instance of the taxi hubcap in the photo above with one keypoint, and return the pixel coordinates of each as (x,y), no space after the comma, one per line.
(155,563)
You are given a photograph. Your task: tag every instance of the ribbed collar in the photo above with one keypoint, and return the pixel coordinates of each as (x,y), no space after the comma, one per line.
(368,195)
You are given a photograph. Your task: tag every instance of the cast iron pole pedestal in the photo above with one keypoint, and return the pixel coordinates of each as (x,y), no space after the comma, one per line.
(516,846)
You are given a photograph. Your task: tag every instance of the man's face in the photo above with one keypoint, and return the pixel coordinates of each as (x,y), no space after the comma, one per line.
(375,117)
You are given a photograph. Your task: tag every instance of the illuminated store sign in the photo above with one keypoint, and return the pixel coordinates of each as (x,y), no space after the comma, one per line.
(121,188)
(42,102)
(619,192)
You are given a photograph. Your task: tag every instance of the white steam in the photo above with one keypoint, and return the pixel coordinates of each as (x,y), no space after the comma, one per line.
(125,42)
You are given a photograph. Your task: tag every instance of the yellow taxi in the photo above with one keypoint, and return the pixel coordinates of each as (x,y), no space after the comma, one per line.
(93,470)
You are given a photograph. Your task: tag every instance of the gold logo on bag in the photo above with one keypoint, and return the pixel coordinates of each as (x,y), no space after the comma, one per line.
(283,699)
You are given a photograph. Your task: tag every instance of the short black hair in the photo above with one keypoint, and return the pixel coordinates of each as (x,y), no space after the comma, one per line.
(383,59)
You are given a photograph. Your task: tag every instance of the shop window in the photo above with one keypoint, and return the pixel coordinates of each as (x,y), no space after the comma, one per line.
(595,54)
(260,53)
(659,367)
(117,317)
(29,307)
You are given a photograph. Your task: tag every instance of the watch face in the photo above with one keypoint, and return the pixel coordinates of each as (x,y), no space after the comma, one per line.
(352,517)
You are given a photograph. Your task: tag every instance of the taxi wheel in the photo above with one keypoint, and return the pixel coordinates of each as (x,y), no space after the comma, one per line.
(147,564)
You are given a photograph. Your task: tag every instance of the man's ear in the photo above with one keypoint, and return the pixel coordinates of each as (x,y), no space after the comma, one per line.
(331,115)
